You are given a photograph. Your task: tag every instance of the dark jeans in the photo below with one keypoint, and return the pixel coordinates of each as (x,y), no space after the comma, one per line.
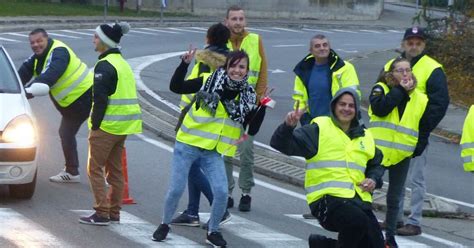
(352,219)
(197,183)
(397,175)
(67,132)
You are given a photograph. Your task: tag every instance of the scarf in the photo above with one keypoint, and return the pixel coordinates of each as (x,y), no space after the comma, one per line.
(210,95)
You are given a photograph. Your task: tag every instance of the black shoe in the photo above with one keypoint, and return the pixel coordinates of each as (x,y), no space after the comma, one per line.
(216,240)
(383,224)
(95,219)
(244,205)
(308,216)
(161,233)
(226,218)
(230,202)
(390,242)
(316,241)
(185,219)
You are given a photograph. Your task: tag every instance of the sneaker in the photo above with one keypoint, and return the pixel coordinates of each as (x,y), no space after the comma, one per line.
(215,239)
(226,218)
(65,177)
(390,242)
(94,220)
(115,218)
(161,233)
(383,224)
(244,205)
(185,219)
(230,202)
(409,230)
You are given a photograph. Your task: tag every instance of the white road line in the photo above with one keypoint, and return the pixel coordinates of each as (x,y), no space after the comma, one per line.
(139,63)
(186,30)
(63,35)
(76,32)
(344,31)
(140,231)
(347,51)
(22,232)
(262,30)
(141,32)
(17,34)
(5,39)
(288,30)
(395,31)
(198,28)
(370,31)
(259,234)
(160,31)
(402,242)
(291,45)
(318,30)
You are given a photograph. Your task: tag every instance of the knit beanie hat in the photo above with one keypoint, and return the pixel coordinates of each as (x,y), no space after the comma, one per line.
(110,34)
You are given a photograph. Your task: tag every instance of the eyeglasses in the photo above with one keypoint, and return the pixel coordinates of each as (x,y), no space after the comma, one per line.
(402,70)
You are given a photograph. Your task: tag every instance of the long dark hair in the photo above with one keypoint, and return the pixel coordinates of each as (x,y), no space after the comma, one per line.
(234,57)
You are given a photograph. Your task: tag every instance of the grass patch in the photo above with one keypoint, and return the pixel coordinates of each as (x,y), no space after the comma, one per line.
(45,8)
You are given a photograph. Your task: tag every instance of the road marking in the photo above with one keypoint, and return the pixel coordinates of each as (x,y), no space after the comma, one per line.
(186,30)
(140,231)
(402,242)
(262,30)
(22,232)
(259,234)
(198,28)
(318,30)
(288,30)
(141,32)
(290,45)
(5,39)
(370,31)
(139,63)
(76,32)
(63,35)
(159,31)
(347,51)
(395,31)
(17,34)
(277,71)
(344,31)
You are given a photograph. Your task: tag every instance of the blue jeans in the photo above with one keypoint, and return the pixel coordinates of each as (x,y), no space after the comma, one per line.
(67,132)
(397,175)
(212,165)
(197,183)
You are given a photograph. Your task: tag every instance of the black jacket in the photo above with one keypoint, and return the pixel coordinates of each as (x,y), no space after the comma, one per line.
(304,67)
(56,67)
(105,84)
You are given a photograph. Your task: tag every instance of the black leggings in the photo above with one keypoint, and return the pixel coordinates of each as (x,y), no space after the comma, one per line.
(352,219)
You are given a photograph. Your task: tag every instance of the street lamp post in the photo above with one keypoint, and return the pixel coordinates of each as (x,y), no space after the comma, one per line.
(106,6)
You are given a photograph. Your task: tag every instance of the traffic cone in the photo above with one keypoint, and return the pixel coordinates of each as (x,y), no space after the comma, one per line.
(127,199)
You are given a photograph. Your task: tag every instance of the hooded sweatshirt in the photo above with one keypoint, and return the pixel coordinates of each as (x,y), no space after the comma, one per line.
(304,141)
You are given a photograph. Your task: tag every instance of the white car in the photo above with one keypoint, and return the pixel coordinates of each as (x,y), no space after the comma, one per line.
(18,131)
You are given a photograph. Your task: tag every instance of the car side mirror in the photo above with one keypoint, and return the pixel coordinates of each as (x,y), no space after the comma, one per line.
(38,89)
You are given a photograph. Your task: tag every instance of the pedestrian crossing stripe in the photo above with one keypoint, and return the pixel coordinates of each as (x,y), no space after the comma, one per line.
(402,242)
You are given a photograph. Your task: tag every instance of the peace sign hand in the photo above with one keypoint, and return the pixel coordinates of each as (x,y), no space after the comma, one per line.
(189,55)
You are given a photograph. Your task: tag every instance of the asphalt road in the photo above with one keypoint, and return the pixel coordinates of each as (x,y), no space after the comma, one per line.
(50,218)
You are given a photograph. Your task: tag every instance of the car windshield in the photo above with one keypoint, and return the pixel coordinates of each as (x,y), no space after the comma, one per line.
(8,80)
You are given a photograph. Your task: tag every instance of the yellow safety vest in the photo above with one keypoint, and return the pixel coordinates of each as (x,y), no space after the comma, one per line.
(76,80)
(187,98)
(339,166)
(397,137)
(122,115)
(251,45)
(467,141)
(344,77)
(422,70)
(202,130)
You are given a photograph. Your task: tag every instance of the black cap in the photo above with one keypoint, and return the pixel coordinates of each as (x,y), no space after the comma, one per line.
(414,32)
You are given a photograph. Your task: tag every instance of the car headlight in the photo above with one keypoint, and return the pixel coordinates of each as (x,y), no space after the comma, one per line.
(20,131)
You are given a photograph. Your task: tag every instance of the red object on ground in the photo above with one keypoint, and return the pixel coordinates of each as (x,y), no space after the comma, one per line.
(127,199)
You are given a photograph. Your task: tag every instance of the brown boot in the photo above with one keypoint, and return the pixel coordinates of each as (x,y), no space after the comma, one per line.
(383,224)
(409,230)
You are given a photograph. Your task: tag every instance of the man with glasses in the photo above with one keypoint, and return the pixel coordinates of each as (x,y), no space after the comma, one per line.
(431,80)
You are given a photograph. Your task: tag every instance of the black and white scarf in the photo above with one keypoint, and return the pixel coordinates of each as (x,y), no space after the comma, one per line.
(211,93)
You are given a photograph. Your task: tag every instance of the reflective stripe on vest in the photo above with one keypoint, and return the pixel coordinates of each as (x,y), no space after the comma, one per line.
(75,80)
(339,166)
(467,141)
(397,137)
(123,114)
(207,135)
(251,45)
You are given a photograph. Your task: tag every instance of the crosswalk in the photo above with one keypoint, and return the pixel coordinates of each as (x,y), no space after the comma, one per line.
(21,231)
(77,34)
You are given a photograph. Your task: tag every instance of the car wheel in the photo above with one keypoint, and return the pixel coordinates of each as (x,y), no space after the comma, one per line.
(23,191)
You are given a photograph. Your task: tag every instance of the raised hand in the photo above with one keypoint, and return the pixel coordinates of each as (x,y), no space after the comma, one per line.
(293,117)
(189,55)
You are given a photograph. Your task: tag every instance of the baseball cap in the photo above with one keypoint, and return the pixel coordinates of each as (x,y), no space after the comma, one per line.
(414,32)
